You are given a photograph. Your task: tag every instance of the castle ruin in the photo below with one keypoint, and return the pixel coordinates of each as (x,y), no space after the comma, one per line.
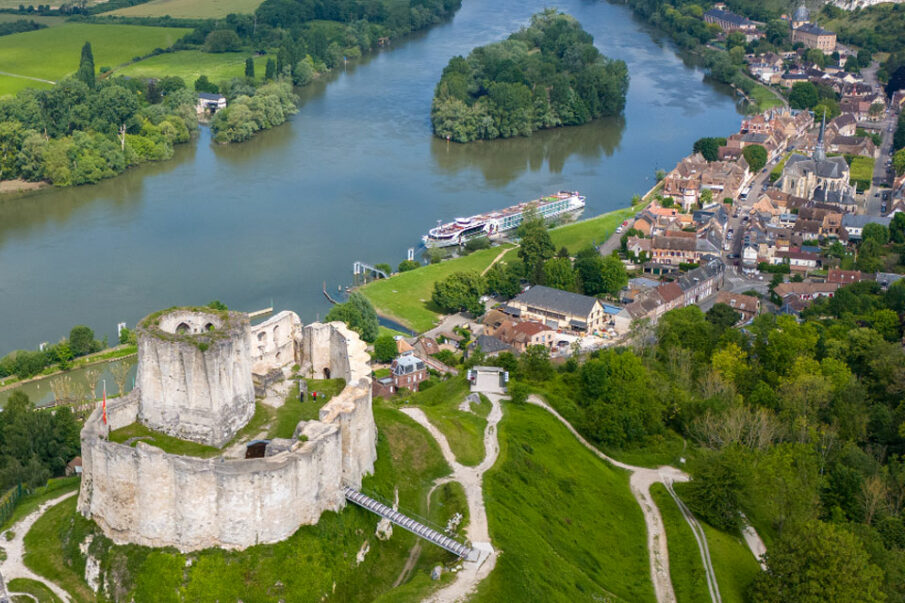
(198,370)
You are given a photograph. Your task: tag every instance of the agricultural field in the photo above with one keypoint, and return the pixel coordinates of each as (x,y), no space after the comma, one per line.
(49,21)
(189,64)
(52,54)
(188,9)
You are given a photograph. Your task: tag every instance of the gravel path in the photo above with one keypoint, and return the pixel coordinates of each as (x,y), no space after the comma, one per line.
(13,566)
(471,478)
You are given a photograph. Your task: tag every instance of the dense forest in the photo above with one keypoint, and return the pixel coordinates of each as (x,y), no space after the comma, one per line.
(544,76)
(83,130)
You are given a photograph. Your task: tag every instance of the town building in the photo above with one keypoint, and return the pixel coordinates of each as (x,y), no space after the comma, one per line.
(802,175)
(853,224)
(746,305)
(208,103)
(408,372)
(559,309)
(810,34)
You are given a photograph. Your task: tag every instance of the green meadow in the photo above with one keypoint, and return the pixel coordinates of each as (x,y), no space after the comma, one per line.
(188,9)
(189,64)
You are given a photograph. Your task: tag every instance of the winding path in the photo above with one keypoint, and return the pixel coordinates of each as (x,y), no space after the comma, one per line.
(472,480)
(13,566)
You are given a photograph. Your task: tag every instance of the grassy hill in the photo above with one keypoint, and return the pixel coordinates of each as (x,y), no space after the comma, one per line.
(566,522)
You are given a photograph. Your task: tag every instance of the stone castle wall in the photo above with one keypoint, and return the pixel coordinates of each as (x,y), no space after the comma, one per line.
(194,373)
(146,496)
(274,342)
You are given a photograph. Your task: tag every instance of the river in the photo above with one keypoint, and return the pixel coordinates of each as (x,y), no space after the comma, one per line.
(356,175)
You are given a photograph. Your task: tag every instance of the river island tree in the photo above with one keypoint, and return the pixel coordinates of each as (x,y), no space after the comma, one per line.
(547,75)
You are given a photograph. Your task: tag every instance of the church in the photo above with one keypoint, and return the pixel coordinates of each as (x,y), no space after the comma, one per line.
(802,176)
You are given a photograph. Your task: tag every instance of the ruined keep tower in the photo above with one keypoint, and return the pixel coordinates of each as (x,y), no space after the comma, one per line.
(195,374)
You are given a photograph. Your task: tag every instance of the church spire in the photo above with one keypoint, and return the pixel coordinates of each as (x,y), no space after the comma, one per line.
(819,150)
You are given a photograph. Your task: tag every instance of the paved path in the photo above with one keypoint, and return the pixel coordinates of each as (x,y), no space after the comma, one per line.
(13,566)
(472,480)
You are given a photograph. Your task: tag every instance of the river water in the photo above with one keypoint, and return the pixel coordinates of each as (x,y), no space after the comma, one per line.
(356,175)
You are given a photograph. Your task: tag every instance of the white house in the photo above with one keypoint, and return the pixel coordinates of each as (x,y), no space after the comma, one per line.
(209,103)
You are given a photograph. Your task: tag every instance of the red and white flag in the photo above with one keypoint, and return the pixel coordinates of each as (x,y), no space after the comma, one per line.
(105,402)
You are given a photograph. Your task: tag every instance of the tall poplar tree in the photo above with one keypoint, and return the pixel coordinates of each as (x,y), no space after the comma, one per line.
(86,66)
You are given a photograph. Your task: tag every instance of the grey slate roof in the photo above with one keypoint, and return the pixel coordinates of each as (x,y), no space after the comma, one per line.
(858,221)
(728,17)
(814,29)
(563,302)
(491,345)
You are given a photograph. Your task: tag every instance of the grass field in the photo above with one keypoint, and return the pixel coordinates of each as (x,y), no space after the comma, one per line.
(406,297)
(36,589)
(733,563)
(12,85)
(568,527)
(316,562)
(463,430)
(53,53)
(592,231)
(189,64)
(862,172)
(685,566)
(188,9)
(28,503)
(764,98)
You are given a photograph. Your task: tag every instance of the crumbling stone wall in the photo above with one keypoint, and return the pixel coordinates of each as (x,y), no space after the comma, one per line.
(146,496)
(275,342)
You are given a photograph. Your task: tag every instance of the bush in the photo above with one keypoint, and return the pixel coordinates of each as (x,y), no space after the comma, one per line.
(406,265)
(518,392)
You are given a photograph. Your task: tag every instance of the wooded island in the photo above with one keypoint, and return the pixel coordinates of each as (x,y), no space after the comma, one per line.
(547,75)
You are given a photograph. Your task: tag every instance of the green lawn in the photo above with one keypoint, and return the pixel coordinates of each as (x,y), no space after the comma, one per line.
(10,86)
(316,562)
(566,522)
(594,230)
(36,589)
(188,9)
(764,98)
(862,172)
(463,430)
(685,566)
(776,172)
(28,503)
(733,563)
(406,297)
(289,414)
(54,53)
(189,64)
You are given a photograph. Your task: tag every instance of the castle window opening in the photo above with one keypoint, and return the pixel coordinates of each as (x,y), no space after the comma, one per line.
(183,328)
(256,449)
(326,373)
(209,326)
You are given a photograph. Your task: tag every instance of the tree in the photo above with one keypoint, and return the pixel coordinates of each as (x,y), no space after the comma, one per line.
(715,492)
(518,392)
(818,562)
(875,232)
(558,274)
(803,95)
(756,156)
(535,245)
(706,196)
(385,348)
(358,314)
(384,267)
(81,340)
(722,316)
(534,363)
(250,68)
(222,40)
(270,70)
(86,66)
(708,147)
(897,228)
(613,275)
(202,84)
(460,291)
(504,280)
(406,265)
(898,162)
(589,268)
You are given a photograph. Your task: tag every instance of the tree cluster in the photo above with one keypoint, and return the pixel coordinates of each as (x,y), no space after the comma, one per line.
(28,363)
(358,314)
(81,131)
(34,445)
(547,75)
(268,106)
(19,26)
